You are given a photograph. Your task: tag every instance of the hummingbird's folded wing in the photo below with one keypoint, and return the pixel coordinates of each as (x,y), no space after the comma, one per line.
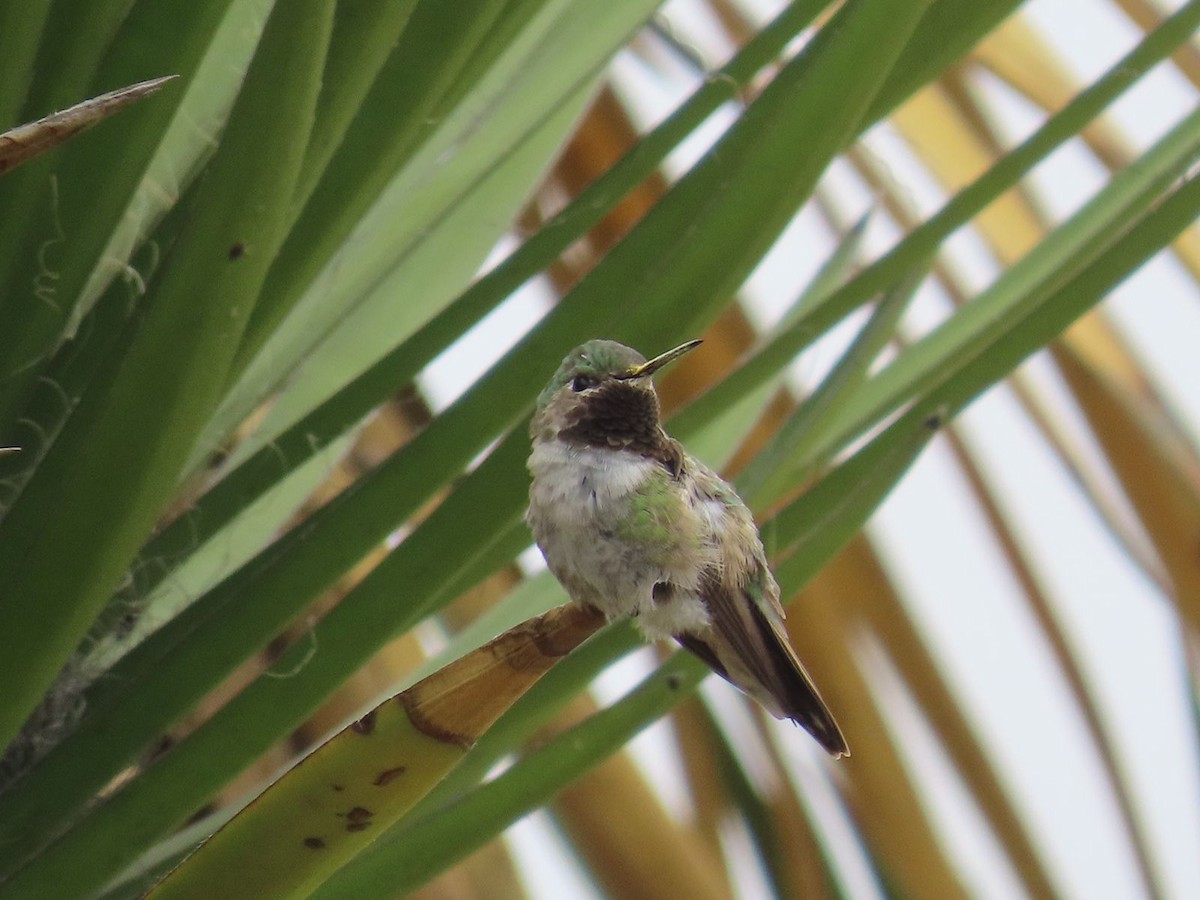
(750,650)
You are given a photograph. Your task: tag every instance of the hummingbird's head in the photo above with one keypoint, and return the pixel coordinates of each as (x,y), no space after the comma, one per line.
(603,394)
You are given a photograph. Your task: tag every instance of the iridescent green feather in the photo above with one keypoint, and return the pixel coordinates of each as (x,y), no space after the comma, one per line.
(651,522)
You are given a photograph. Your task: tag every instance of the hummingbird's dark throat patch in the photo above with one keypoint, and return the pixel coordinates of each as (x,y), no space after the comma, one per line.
(620,416)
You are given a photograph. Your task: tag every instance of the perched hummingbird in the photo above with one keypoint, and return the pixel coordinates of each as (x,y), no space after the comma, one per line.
(632,524)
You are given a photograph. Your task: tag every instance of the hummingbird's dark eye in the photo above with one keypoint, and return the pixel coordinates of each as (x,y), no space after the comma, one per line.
(583,382)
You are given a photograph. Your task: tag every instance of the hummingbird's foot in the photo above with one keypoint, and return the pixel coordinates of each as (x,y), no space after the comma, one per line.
(672,609)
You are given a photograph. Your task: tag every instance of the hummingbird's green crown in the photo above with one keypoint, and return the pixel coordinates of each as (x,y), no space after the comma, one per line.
(595,360)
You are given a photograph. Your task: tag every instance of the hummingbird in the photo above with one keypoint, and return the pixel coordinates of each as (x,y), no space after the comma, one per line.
(631,523)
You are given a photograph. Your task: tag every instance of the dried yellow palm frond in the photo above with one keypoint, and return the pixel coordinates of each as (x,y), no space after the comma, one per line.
(629,842)
(881,798)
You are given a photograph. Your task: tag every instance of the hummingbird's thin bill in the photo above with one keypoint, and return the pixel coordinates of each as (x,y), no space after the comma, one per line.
(649,368)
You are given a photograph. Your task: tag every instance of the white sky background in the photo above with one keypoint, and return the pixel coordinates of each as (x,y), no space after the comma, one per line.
(965,600)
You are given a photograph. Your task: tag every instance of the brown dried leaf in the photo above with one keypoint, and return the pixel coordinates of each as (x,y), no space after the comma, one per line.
(27,141)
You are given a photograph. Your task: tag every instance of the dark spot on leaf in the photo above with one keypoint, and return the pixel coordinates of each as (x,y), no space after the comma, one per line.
(237,251)
(359,814)
(365,725)
(673,682)
(202,813)
(338,787)
(126,623)
(165,743)
(387,776)
(314,843)
(358,826)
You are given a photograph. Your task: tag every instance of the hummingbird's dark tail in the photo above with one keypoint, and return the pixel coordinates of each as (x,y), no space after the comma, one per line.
(750,651)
